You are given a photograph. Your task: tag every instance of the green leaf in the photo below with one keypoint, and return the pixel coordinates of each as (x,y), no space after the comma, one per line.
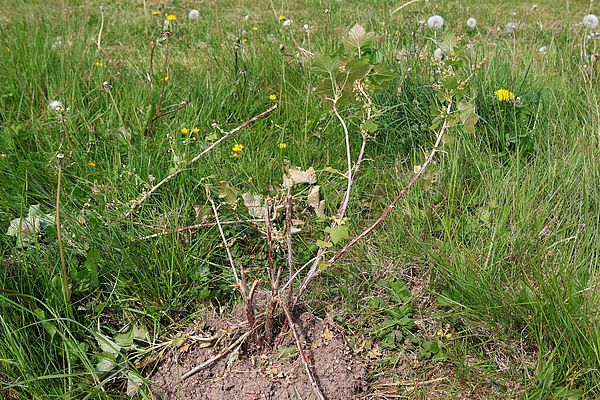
(47,325)
(376,57)
(134,381)
(370,126)
(323,265)
(125,339)
(91,266)
(325,65)
(357,69)
(324,245)
(106,362)
(337,233)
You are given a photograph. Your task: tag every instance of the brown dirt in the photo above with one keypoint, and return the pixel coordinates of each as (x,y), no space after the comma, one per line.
(277,375)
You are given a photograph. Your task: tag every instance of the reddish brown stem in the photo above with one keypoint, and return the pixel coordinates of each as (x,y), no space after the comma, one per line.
(307,368)
(162,86)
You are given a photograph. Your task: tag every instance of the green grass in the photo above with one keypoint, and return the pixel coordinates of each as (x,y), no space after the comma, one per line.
(505,237)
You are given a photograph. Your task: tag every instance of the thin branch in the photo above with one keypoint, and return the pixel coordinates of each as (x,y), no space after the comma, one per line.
(268,336)
(240,282)
(217,357)
(63,264)
(169,177)
(311,377)
(198,226)
(346,198)
(400,195)
(288,240)
(314,271)
(162,86)
(181,105)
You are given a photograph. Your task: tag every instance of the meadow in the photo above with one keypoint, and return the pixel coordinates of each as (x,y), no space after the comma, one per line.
(482,282)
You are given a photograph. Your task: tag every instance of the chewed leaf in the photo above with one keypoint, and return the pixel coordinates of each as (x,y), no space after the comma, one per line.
(358,37)
(337,233)
(254,204)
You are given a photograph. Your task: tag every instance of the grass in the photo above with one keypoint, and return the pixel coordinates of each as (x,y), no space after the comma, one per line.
(502,245)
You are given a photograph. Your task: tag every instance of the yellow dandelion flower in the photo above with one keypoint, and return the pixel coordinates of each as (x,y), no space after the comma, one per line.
(235,155)
(165,78)
(184,131)
(273,97)
(99,64)
(505,95)
(171,17)
(195,130)
(91,164)
(237,147)
(282,17)
(155,12)
(254,29)
(282,146)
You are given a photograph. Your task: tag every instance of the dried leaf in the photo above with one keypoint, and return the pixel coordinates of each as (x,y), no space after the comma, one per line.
(327,334)
(296,176)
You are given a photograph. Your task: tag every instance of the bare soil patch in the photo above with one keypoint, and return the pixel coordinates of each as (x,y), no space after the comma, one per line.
(280,374)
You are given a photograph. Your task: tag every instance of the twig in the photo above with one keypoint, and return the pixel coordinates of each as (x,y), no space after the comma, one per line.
(63,264)
(162,86)
(217,357)
(240,281)
(150,67)
(400,195)
(99,40)
(169,177)
(250,312)
(404,5)
(198,226)
(344,204)
(314,271)
(268,336)
(292,325)
(181,105)
(288,240)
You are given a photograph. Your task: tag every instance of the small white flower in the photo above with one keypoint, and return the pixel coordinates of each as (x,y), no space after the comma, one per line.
(435,22)
(437,53)
(471,22)
(510,27)
(55,105)
(305,27)
(543,50)
(590,21)
(194,14)
(287,22)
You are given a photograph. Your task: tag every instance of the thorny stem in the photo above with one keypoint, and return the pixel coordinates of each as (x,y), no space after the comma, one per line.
(400,195)
(314,271)
(311,377)
(170,177)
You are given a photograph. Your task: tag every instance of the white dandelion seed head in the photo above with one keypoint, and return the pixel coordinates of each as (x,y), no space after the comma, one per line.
(543,50)
(287,22)
(194,14)
(510,27)
(55,105)
(435,22)
(438,53)
(471,22)
(590,21)
(306,27)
